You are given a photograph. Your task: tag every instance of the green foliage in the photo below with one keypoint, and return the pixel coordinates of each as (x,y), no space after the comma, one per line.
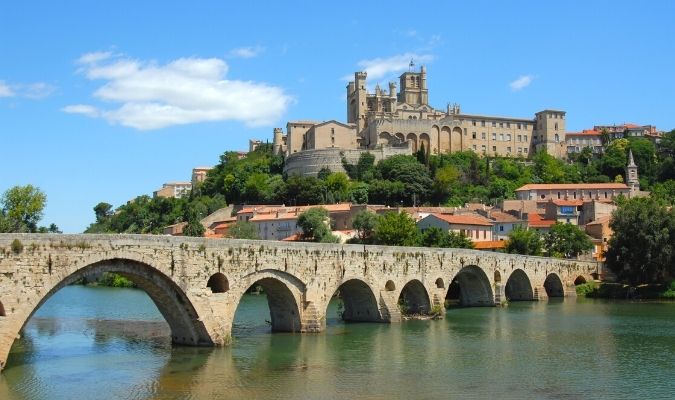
(16,246)
(396,229)
(315,225)
(664,192)
(21,209)
(436,237)
(643,245)
(524,241)
(365,222)
(586,289)
(411,174)
(566,240)
(243,230)
(102,211)
(110,279)
(305,190)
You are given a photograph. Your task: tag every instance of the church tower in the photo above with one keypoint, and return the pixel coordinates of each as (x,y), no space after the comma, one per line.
(632,173)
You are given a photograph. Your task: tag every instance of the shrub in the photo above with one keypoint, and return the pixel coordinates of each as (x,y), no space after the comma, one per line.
(17,246)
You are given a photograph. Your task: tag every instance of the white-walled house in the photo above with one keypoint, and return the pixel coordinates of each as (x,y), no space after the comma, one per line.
(476,228)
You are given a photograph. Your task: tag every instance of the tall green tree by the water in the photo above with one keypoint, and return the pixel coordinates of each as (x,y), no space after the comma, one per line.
(642,248)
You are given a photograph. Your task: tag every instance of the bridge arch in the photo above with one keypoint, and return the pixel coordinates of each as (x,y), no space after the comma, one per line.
(474,287)
(284,296)
(554,286)
(218,283)
(171,301)
(518,286)
(358,299)
(415,298)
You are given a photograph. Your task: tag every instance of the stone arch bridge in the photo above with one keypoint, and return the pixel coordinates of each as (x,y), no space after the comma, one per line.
(197,283)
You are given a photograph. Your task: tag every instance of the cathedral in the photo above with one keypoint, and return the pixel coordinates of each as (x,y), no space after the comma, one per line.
(400,120)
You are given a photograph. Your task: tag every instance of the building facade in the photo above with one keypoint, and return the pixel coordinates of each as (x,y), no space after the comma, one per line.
(401,118)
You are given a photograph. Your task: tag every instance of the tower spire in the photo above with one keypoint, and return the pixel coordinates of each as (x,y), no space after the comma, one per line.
(631,162)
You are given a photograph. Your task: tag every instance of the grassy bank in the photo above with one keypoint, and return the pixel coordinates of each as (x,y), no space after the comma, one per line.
(108,279)
(622,291)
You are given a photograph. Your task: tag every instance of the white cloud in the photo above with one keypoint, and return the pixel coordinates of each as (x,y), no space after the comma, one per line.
(94,57)
(183,91)
(5,90)
(35,91)
(521,83)
(246,52)
(84,109)
(378,68)
(38,90)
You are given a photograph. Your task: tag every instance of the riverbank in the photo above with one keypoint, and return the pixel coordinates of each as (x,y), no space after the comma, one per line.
(605,290)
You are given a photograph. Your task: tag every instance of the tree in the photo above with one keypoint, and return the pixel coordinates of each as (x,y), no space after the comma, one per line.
(315,225)
(193,215)
(445,179)
(413,175)
(21,209)
(436,237)
(243,230)
(642,248)
(365,222)
(337,183)
(396,229)
(566,240)
(523,241)
(102,210)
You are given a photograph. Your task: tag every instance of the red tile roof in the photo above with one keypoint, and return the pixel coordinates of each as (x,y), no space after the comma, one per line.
(537,221)
(567,202)
(463,219)
(577,186)
(490,244)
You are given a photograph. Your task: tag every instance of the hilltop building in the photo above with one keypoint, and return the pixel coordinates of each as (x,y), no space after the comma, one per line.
(386,123)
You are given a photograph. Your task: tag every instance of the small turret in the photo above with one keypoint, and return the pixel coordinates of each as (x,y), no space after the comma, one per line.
(392,89)
(277,141)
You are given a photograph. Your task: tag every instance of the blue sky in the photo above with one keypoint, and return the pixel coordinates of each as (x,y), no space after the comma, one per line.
(104,101)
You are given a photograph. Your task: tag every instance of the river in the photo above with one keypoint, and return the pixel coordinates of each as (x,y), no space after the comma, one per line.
(104,343)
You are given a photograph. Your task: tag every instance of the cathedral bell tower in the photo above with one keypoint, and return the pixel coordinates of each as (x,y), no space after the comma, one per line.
(632,173)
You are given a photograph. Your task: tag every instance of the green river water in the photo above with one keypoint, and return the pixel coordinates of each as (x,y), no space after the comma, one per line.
(100,343)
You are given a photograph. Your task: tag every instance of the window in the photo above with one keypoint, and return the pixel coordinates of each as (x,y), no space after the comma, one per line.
(508,137)
(473,122)
(473,135)
(494,148)
(474,147)
(508,150)
(543,196)
(605,194)
(525,138)
(494,136)
(501,228)
(520,137)
(484,234)
(482,123)
(518,126)
(524,150)
(501,124)
(501,137)
(483,148)
(575,195)
(464,131)
(482,135)
(494,124)
(556,126)
(558,195)
(508,124)
(520,150)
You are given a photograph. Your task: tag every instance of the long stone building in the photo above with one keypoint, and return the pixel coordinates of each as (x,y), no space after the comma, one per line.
(402,121)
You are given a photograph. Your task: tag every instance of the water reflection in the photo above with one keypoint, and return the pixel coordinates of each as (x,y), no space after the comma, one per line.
(556,349)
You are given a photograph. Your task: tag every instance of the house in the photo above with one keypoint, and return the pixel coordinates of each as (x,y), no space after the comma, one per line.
(600,233)
(605,192)
(564,211)
(503,223)
(475,227)
(539,223)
